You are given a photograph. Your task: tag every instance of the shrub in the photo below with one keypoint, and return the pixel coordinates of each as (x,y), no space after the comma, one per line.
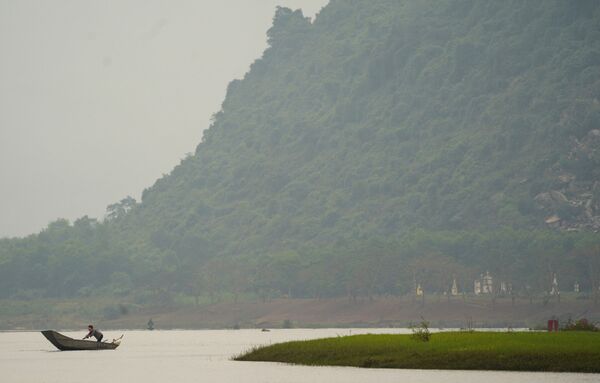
(580,325)
(421,332)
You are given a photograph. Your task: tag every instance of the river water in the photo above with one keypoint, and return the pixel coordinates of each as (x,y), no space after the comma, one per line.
(205,356)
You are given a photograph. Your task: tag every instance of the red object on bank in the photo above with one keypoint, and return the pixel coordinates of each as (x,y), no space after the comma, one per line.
(553,325)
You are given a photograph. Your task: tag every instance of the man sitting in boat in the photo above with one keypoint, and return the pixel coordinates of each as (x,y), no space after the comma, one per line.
(93,333)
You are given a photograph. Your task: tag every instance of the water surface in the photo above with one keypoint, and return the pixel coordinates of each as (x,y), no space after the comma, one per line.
(205,356)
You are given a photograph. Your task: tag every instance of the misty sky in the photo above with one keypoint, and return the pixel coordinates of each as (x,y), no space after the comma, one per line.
(100,98)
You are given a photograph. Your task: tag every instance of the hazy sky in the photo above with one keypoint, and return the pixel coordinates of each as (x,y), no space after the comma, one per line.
(100,98)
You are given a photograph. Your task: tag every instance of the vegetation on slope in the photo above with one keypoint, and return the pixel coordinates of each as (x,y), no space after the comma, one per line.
(560,352)
(386,143)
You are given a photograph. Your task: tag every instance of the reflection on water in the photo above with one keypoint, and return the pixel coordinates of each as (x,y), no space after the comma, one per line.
(204,356)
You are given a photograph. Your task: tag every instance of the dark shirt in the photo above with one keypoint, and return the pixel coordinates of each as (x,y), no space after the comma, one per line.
(94,333)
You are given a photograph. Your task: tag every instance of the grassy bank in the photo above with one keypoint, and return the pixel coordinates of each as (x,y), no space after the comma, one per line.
(564,352)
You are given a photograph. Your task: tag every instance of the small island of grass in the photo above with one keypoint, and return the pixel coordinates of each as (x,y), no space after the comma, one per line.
(514,351)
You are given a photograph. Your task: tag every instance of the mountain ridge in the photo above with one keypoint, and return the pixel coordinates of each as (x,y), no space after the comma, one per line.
(383,143)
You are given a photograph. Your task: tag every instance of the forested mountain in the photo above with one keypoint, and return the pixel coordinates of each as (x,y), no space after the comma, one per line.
(383,143)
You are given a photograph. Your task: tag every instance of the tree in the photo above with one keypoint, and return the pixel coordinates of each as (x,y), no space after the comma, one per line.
(119,209)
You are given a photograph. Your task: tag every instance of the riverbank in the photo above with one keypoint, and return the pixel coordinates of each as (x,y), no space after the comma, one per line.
(454,312)
(510,351)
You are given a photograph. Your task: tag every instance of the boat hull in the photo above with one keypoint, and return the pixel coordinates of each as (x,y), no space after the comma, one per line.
(64,343)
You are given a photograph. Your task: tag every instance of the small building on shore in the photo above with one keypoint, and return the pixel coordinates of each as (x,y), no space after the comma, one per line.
(484,285)
(554,287)
(487,285)
(419,290)
(454,289)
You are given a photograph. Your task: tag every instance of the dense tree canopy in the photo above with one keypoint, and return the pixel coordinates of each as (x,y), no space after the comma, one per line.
(386,142)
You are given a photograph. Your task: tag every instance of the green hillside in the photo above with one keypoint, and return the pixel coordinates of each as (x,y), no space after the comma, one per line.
(386,142)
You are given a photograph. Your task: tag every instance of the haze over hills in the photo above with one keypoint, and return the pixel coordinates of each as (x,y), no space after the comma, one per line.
(386,143)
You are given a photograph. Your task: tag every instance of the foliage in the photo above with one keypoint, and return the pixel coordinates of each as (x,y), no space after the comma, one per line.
(579,325)
(565,352)
(420,332)
(385,142)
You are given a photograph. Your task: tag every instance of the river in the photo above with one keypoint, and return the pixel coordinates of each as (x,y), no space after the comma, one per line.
(178,356)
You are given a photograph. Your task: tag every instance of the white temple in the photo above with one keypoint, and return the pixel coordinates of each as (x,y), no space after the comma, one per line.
(419,290)
(487,285)
(454,290)
(477,287)
(484,285)
(554,289)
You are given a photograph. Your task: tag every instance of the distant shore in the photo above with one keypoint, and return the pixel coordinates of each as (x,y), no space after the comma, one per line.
(509,351)
(456,312)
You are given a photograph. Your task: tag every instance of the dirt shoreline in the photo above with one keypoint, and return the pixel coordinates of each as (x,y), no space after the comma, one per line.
(379,312)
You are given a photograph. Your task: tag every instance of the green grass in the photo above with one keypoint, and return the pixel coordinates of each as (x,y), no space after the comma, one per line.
(515,351)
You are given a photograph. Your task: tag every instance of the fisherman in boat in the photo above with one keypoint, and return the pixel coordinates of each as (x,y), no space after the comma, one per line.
(93,333)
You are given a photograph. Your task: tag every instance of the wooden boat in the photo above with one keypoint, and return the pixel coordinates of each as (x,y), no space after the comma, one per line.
(64,343)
